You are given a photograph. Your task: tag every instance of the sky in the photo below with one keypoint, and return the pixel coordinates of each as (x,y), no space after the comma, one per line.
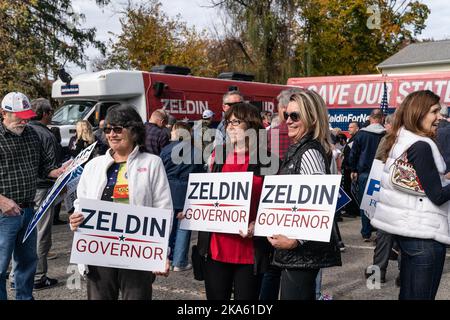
(196,13)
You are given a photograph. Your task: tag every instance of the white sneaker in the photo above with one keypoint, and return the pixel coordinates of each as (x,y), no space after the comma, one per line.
(187,267)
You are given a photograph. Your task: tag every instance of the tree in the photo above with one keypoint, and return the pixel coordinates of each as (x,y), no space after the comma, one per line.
(284,38)
(149,37)
(37,37)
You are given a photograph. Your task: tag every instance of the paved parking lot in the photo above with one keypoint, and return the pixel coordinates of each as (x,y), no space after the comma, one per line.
(343,283)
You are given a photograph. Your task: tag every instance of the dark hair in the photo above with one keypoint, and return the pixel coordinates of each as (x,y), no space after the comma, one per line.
(57,133)
(41,106)
(409,115)
(127,116)
(246,112)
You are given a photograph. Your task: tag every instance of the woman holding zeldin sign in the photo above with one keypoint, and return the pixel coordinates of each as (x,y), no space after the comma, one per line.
(125,174)
(307,120)
(414,195)
(235,263)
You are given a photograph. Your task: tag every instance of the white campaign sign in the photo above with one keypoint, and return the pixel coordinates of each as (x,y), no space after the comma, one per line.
(218,202)
(298,206)
(372,190)
(122,236)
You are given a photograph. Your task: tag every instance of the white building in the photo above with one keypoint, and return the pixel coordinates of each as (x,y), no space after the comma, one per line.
(420,57)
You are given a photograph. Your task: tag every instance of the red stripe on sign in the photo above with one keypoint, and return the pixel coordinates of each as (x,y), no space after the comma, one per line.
(137,240)
(105,237)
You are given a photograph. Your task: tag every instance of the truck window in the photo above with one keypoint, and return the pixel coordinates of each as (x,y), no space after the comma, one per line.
(71,112)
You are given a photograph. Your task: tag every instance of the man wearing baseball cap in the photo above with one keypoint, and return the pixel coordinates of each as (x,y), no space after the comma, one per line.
(22,161)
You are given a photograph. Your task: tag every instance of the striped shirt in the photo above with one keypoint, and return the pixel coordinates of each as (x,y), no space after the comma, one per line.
(312,162)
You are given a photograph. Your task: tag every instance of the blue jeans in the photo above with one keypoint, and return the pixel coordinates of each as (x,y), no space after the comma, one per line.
(12,230)
(270,286)
(366,228)
(421,268)
(173,234)
(319,284)
(181,249)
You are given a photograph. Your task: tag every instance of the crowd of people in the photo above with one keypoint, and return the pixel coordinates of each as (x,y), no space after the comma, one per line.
(298,140)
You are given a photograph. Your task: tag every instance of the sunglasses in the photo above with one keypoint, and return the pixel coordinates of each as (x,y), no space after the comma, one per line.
(230,104)
(117,129)
(234,122)
(295,116)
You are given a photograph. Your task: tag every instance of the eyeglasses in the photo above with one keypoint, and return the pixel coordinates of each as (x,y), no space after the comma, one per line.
(117,129)
(295,116)
(234,122)
(230,104)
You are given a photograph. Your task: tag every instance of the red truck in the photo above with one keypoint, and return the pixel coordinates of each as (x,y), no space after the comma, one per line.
(88,96)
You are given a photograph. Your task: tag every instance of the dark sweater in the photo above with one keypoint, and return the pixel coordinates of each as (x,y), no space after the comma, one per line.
(421,157)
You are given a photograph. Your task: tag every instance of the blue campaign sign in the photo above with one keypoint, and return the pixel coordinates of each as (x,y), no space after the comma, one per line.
(51,197)
(343,199)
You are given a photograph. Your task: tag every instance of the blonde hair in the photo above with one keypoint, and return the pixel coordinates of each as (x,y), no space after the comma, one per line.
(314,115)
(84,131)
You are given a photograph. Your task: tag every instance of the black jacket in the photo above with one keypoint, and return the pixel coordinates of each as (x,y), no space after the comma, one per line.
(310,254)
(365,147)
(262,247)
(51,148)
(443,139)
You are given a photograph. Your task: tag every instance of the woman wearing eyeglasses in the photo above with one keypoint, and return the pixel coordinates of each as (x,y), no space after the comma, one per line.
(307,120)
(235,263)
(125,174)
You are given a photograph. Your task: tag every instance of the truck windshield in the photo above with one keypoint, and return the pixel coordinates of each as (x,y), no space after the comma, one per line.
(71,112)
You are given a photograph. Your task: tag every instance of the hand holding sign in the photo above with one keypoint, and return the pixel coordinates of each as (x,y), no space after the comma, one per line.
(282,242)
(250,231)
(75,219)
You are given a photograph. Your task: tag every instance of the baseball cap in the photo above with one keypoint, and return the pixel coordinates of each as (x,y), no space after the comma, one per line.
(207,114)
(19,104)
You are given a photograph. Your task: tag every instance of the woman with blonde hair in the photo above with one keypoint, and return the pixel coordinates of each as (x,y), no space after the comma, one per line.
(419,219)
(84,137)
(307,120)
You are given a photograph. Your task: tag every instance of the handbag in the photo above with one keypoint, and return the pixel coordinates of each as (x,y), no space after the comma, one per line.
(404,177)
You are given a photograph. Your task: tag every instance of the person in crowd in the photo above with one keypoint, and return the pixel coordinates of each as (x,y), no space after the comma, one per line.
(202,127)
(351,210)
(22,160)
(360,161)
(101,138)
(178,175)
(156,136)
(83,138)
(229,99)
(307,120)
(384,241)
(235,263)
(443,136)
(281,129)
(419,221)
(39,123)
(117,176)
(266,119)
(57,209)
(171,120)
